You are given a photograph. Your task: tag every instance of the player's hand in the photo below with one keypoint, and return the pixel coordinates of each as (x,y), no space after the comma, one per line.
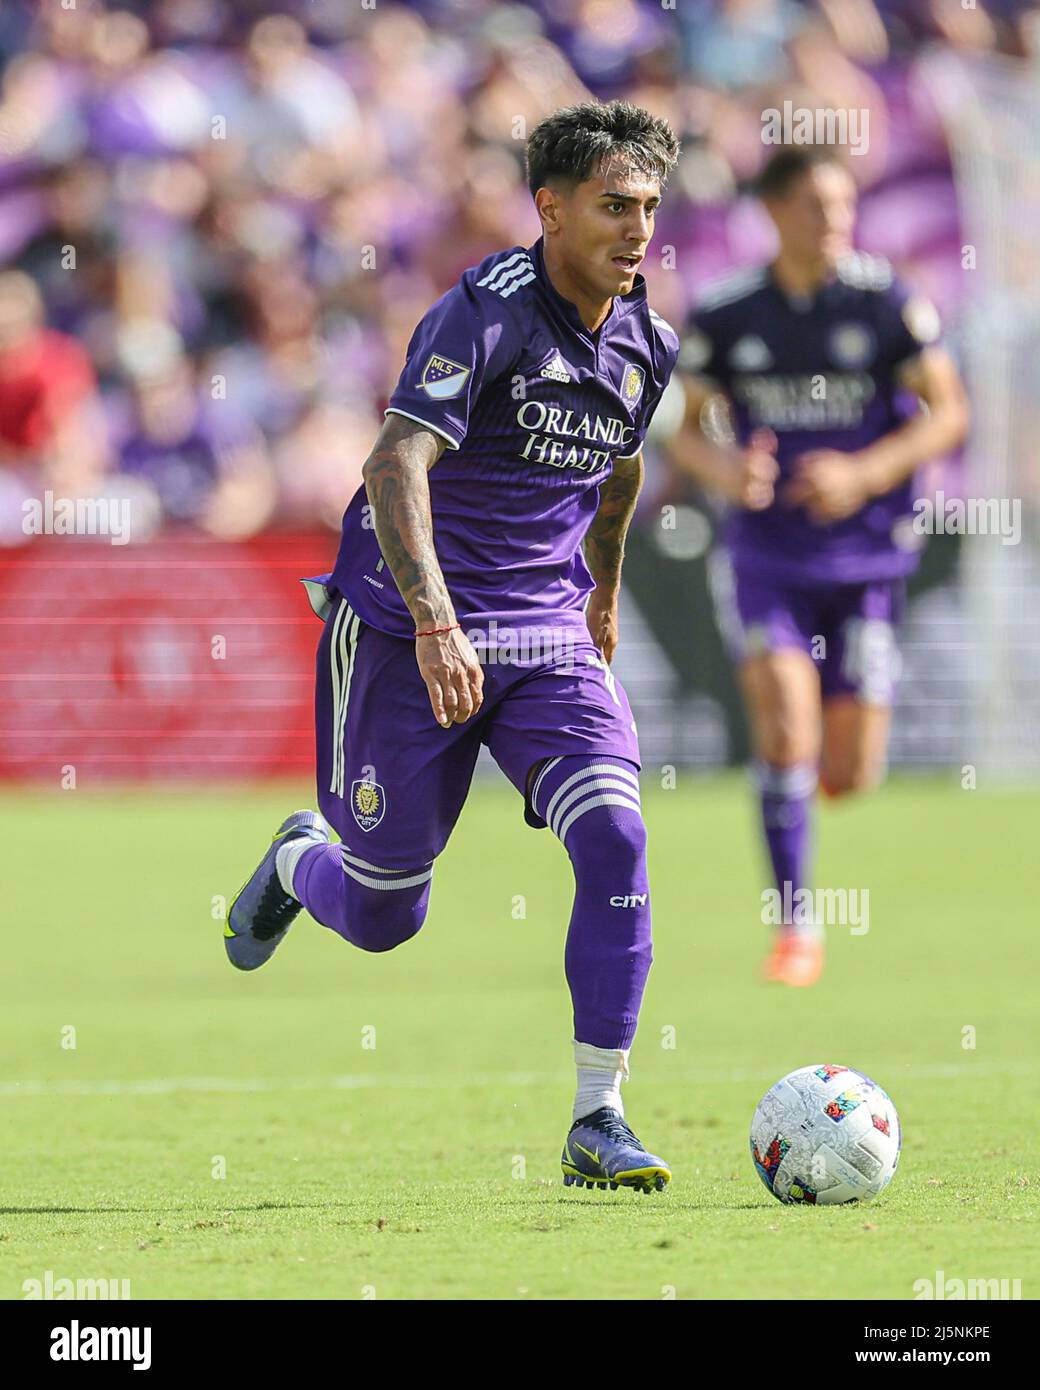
(601,615)
(453,675)
(830,485)
(755,476)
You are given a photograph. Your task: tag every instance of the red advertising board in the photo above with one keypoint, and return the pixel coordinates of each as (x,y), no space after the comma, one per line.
(185,659)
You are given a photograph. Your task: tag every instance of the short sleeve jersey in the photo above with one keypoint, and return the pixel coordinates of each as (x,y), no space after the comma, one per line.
(533,408)
(821,372)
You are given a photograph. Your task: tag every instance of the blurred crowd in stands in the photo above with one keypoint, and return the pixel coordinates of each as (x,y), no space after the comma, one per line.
(221,220)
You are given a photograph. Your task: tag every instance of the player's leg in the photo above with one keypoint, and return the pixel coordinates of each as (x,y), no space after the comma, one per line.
(859,684)
(392,784)
(591,803)
(773,635)
(372,907)
(855,745)
(590,800)
(391,781)
(770,634)
(782,693)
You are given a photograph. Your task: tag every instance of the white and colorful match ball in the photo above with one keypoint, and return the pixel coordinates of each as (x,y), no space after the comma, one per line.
(825,1134)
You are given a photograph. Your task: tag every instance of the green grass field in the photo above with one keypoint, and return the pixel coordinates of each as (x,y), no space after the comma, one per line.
(427,1166)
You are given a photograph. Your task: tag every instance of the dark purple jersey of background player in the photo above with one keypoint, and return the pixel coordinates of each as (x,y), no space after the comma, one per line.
(821,372)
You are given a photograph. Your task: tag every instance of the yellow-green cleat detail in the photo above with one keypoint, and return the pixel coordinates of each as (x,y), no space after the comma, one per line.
(601,1151)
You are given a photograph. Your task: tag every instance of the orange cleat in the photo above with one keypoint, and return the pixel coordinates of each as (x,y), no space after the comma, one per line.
(796,959)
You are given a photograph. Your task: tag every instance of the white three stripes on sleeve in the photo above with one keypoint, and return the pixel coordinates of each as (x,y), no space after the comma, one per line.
(506,276)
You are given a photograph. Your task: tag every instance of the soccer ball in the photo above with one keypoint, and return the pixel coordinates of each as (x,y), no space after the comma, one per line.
(825,1134)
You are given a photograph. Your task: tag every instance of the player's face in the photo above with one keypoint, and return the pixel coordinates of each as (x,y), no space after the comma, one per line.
(605,226)
(816,218)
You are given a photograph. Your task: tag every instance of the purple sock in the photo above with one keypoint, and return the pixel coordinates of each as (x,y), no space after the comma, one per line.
(374,909)
(786,795)
(592,805)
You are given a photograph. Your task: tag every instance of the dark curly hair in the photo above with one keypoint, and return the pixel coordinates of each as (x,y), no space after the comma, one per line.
(571,144)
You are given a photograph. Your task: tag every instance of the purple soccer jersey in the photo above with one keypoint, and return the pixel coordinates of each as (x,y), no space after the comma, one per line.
(534,408)
(820,371)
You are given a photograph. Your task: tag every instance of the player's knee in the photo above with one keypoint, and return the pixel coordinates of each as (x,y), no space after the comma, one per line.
(786,743)
(609,837)
(381,920)
(377,932)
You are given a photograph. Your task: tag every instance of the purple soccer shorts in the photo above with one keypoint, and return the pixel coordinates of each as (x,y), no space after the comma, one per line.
(847,629)
(392,781)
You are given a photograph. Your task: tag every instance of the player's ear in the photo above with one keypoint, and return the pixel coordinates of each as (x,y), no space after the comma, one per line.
(547,202)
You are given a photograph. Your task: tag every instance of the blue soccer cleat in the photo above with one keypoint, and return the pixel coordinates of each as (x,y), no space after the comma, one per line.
(263,912)
(601,1149)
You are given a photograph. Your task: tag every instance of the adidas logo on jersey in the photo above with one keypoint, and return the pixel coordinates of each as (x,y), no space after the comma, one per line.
(555,370)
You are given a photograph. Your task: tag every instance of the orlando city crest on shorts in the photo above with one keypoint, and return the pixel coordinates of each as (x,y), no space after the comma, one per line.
(442,378)
(368,802)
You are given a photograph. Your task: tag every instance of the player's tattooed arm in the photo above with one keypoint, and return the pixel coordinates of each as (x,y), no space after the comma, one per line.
(399,494)
(605,538)
(398,489)
(605,550)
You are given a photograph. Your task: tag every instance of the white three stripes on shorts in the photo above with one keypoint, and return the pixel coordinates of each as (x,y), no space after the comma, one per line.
(345,631)
(599,784)
(346,626)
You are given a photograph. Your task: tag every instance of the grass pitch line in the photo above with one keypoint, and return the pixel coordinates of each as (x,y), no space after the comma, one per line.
(240,1085)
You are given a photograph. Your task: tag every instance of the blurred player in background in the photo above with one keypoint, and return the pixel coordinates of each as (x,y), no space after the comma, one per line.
(817,359)
(513,439)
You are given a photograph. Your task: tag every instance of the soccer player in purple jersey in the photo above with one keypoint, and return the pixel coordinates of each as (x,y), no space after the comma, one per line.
(475,601)
(822,358)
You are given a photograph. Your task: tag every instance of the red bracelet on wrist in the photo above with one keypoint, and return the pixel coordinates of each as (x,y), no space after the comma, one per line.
(435,630)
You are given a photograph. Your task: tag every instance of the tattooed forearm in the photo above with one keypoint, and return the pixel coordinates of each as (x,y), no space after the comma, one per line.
(605,538)
(399,493)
